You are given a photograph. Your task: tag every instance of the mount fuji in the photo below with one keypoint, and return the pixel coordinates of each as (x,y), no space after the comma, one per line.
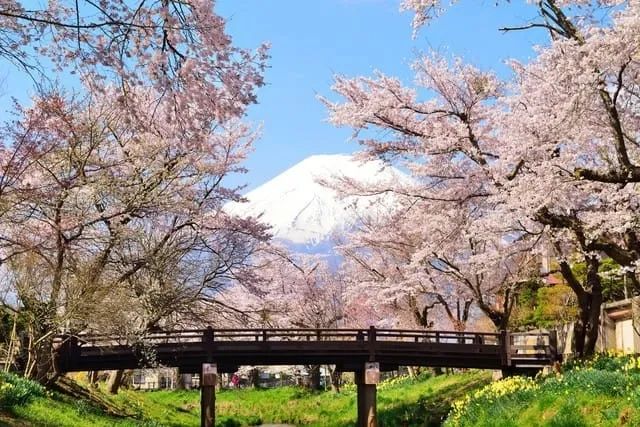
(304,213)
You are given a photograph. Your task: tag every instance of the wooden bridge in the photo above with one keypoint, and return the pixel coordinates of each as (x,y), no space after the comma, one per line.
(362,351)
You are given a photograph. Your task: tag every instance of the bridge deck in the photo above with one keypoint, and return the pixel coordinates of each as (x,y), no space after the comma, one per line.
(349,349)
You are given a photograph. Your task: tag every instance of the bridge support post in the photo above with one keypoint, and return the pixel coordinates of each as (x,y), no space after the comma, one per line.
(366,381)
(208,381)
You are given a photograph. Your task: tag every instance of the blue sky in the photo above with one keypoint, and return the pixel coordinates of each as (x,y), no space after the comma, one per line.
(314,39)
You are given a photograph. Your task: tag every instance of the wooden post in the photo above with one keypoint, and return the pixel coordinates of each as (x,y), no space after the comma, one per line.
(371,338)
(208,382)
(553,345)
(361,401)
(505,343)
(366,381)
(207,341)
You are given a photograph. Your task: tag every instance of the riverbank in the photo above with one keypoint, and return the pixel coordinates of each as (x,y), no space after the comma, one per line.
(403,401)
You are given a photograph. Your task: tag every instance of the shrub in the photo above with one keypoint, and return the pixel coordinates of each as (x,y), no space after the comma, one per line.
(611,381)
(591,381)
(15,390)
(514,388)
(609,361)
(228,422)
(401,380)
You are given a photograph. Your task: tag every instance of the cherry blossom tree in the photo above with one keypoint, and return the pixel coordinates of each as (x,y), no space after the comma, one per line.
(288,290)
(543,161)
(112,216)
(421,261)
(179,48)
(576,132)
(285,289)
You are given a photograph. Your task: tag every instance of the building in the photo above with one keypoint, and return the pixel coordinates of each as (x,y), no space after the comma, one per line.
(620,326)
(154,379)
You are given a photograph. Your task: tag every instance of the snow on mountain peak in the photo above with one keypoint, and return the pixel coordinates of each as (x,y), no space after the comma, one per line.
(303,211)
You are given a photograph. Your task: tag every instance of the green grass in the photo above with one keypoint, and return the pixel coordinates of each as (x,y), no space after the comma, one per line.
(401,402)
(602,392)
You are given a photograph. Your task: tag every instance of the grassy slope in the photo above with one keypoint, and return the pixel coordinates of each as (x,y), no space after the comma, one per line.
(422,402)
(602,392)
(573,409)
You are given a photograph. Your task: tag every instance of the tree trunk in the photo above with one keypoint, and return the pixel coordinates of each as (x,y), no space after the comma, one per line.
(254,378)
(587,327)
(92,376)
(590,303)
(313,380)
(220,381)
(595,305)
(412,372)
(179,381)
(37,352)
(579,337)
(336,379)
(115,381)
(45,370)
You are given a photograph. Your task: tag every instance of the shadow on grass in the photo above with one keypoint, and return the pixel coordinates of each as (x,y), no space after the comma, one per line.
(72,390)
(428,411)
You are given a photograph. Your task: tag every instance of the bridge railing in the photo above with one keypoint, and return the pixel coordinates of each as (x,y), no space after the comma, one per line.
(197,336)
(275,335)
(512,349)
(439,337)
(533,345)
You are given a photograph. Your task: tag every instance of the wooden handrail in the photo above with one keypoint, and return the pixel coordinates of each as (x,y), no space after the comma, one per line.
(320,334)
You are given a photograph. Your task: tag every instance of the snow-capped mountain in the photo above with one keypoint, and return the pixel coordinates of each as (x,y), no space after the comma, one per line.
(304,212)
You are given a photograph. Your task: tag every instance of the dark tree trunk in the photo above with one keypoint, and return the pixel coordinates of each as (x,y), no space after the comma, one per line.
(336,379)
(37,358)
(437,371)
(589,296)
(180,380)
(313,380)
(587,327)
(595,305)
(45,370)
(499,320)
(579,334)
(254,378)
(115,381)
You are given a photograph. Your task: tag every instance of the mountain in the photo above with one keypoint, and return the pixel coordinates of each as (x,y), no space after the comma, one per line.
(303,212)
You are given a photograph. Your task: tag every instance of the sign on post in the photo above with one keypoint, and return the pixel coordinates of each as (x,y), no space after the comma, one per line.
(209,374)
(371,373)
